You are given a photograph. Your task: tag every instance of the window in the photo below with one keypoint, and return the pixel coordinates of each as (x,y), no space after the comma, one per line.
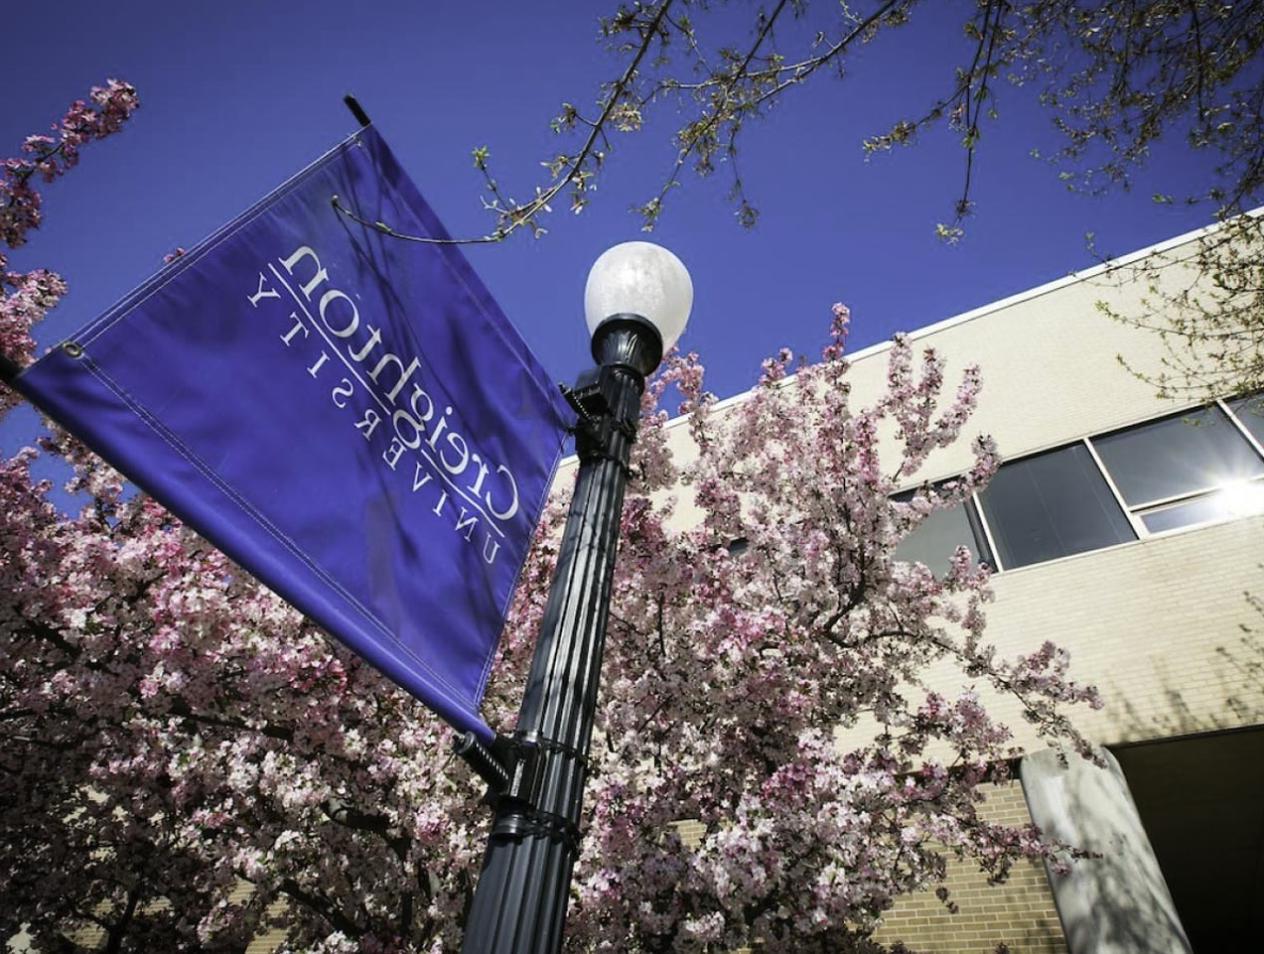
(1237,501)
(1250,414)
(1184,469)
(1052,505)
(937,537)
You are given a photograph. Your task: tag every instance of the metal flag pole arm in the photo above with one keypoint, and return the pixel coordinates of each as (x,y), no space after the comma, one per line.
(385,228)
(492,764)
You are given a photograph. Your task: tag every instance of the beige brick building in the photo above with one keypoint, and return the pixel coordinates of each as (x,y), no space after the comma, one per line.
(1127,529)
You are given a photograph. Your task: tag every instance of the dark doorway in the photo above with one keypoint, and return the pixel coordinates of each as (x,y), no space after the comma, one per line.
(1201,799)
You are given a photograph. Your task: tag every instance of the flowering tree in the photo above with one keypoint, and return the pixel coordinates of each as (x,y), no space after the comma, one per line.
(28,296)
(1118,82)
(1205,302)
(187,762)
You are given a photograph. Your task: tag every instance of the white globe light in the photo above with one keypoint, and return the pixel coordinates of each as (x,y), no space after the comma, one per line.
(640,278)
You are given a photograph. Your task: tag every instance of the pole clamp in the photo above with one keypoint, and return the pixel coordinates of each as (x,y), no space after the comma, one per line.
(526,770)
(526,776)
(536,821)
(594,399)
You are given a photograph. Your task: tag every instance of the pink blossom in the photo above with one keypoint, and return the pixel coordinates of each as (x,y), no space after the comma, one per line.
(53,156)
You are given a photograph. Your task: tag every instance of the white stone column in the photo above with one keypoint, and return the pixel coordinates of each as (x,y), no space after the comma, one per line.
(1117,903)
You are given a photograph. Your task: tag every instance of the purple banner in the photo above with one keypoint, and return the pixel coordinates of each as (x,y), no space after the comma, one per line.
(349,416)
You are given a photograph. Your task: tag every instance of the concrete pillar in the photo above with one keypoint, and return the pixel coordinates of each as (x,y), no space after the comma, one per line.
(1117,903)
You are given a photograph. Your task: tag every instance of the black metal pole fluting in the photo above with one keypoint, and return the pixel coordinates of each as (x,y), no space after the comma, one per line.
(519,906)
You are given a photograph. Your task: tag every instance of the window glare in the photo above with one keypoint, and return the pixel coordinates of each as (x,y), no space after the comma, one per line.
(1236,500)
(1186,453)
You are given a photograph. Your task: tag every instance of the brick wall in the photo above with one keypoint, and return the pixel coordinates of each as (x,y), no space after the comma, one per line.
(1019,913)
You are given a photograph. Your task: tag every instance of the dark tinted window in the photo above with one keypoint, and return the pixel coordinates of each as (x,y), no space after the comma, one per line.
(1052,505)
(938,536)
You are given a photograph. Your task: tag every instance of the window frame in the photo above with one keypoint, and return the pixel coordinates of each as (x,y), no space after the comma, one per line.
(1101,470)
(1137,512)
(1133,514)
(1233,416)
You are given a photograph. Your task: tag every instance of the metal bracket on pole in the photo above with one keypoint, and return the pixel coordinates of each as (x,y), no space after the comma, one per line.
(516,769)
(593,400)
(488,763)
(532,772)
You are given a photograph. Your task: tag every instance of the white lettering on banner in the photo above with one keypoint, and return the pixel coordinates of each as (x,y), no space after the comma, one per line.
(369,423)
(462,524)
(318,278)
(344,390)
(315,368)
(393,453)
(261,292)
(298,326)
(387,380)
(353,321)
(513,504)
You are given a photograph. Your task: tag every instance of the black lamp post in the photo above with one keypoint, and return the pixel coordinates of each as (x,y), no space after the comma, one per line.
(637,301)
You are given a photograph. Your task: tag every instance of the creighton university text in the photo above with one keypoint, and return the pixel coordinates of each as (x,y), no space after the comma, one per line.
(396,416)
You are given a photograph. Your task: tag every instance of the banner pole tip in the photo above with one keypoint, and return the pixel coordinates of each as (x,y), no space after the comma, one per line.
(357,110)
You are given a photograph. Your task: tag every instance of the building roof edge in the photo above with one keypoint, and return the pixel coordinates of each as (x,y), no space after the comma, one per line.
(1017,298)
(1031,293)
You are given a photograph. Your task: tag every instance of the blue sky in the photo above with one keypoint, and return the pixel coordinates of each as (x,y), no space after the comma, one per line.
(236,96)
